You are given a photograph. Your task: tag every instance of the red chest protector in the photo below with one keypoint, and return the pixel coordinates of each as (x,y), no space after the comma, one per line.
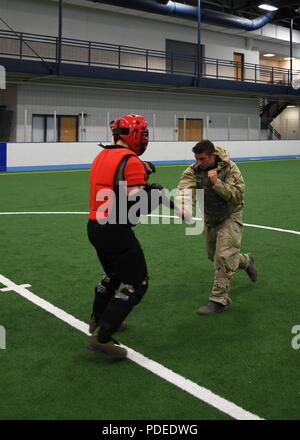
(107,167)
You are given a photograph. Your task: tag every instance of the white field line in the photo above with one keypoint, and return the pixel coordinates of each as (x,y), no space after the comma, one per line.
(44,213)
(289,231)
(181,382)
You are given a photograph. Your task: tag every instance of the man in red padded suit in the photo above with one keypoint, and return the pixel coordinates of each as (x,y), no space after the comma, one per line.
(118,250)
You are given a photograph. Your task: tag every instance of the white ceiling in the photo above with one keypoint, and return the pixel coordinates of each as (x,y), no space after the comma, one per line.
(270,32)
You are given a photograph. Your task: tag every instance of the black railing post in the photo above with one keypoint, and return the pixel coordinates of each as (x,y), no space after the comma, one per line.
(89,54)
(272,76)
(56,49)
(119,57)
(255,73)
(59,49)
(21,45)
(147,54)
(217,68)
(291,50)
(199,54)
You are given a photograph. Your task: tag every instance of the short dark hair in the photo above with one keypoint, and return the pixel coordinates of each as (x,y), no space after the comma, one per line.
(204,146)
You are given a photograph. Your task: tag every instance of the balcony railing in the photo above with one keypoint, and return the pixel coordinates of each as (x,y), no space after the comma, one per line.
(27,46)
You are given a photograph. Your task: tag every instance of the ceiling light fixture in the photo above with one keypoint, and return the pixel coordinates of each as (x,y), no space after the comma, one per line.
(267,7)
(288,59)
(269,55)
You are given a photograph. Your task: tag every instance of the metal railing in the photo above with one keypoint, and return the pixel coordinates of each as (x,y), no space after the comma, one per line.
(23,46)
(273,133)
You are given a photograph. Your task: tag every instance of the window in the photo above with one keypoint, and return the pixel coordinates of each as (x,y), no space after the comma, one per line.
(46,128)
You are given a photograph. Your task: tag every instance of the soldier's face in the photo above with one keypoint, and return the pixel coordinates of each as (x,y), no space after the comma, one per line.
(205,160)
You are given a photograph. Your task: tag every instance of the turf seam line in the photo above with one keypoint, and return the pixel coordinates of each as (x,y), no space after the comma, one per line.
(170,376)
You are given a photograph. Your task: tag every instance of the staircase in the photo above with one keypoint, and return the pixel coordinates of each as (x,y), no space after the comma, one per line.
(269,110)
(273,134)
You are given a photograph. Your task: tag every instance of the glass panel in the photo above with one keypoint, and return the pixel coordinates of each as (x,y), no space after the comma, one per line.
(50,137)
(38,128)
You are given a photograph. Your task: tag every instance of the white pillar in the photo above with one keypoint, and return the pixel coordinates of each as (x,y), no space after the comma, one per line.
(249,126)
(175,129)
(82,127)
(25,124)
(55,137)
(207,127)
(108,130)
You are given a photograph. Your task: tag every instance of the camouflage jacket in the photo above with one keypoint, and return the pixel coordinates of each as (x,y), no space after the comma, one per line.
(222,200)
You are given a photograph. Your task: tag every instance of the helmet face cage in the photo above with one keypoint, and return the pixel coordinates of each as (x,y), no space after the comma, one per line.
(132,129)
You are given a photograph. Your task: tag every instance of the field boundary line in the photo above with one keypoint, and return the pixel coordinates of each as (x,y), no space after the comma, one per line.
(270,228)
(170,376)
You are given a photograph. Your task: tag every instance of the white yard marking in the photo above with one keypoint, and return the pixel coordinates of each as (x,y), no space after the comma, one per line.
(12,288)
(44,213)
(289,231)
(170,376)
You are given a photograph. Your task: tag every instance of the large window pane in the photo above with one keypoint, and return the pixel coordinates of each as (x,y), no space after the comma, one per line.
(50,136)
(38,128)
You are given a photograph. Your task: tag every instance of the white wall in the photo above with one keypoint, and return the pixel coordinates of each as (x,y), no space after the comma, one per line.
(51,154)
(88,23)
(45,154)
(97,103)
(287,123)
(168,151)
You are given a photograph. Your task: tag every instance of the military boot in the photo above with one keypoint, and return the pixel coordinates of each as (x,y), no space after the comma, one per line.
(251,269)
(111,347)
(212,308)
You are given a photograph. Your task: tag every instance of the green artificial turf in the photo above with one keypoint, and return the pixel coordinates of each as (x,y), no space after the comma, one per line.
(244,355)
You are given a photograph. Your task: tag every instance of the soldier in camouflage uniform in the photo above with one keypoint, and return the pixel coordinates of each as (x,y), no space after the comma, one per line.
(223,187)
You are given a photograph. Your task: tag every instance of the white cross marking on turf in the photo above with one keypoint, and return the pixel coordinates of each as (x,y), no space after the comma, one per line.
(12,288)
(170,376)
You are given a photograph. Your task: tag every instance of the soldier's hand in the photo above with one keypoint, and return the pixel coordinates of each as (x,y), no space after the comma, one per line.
(213,176)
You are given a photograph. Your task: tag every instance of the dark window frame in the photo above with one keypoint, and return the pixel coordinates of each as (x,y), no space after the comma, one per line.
(58,125)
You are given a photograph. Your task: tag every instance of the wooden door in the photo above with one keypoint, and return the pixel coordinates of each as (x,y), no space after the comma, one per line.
(193,130)
(68,129)
(238,59)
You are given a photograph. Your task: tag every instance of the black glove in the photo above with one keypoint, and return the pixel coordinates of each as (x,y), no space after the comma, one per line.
(150,186)
(163,199)
(149,167)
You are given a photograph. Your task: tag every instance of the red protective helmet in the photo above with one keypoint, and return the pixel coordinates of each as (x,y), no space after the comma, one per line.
(132,129)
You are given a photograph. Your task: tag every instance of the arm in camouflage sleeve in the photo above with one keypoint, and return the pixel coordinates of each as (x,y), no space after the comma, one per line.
(232,189)
(185,197)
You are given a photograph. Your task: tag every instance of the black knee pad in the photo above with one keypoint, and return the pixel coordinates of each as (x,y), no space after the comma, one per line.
(104,292)
(119,308)
(133,293)
(109,283)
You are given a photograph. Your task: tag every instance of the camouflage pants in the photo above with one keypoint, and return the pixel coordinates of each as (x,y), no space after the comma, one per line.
(223,244)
